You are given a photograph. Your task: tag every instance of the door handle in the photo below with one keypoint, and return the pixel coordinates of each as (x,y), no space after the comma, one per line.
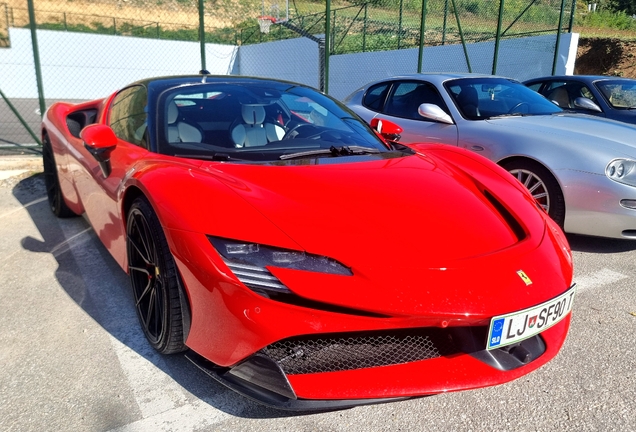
(477,148)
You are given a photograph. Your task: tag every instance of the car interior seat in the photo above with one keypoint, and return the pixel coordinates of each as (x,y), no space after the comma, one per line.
(252,131)
(560,96)
(178,129)
(468,102)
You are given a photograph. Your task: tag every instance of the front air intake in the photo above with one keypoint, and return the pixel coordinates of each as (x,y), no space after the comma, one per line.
(330,353)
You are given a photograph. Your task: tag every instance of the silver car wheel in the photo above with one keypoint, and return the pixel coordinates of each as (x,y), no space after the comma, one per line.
(535,185)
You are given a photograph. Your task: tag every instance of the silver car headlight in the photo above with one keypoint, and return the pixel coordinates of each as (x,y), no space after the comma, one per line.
(622,171)
(249,262)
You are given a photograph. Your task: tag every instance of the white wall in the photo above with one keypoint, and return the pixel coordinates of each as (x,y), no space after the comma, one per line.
(89,66)
(292,60)
(522,59)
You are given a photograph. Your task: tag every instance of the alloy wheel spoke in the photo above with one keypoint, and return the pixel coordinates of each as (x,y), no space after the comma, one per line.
(139,269)
(147,289)
(142,255)
(536,186)
(146,239)
(143,249)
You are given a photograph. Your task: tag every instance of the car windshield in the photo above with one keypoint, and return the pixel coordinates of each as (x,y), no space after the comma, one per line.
(619,94)
(487,97)
(260,123)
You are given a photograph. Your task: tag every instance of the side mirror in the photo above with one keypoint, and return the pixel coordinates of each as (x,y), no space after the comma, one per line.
(435,113)
(386,129)
(587,104)
(100,141)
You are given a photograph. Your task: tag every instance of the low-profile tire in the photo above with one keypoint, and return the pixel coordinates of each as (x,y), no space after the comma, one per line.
(53,191)
(542,185)
(154,279)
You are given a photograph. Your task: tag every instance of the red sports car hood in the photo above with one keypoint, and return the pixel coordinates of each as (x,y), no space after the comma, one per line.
(398,211)
(418,225)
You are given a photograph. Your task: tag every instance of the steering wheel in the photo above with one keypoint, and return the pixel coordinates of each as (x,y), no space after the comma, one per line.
(293,132)
(520,104)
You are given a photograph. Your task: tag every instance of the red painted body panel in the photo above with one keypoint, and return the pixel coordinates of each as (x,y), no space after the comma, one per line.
(439,375)
(425,244)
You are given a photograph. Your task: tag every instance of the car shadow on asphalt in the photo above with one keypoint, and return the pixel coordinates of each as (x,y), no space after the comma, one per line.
(581,243)
(97,284)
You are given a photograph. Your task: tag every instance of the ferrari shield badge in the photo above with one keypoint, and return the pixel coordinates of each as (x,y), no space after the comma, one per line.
(524,277)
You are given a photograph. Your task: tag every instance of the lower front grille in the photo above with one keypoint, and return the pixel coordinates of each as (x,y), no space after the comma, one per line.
(339,352)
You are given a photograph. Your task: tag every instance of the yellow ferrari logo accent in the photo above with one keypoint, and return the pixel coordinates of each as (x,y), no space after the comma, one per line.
(524,277)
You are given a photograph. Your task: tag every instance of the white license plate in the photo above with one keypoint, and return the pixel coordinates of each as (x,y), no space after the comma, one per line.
(517,326)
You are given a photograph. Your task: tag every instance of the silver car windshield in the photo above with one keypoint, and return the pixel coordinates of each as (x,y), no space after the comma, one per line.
(484,98)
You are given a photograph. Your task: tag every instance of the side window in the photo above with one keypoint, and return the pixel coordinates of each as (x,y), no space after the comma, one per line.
(375,96)
(128,116)
(558,92)
(564,93)
(407,96)
(587,93)
(535,86)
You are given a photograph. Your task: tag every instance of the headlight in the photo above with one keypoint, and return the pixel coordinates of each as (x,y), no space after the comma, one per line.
(622,171)
(248,262)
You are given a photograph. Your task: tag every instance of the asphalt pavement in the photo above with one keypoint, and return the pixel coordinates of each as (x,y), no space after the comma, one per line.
(74,358)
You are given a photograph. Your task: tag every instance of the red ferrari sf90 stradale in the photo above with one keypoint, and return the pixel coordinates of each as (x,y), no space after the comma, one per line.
(299,257)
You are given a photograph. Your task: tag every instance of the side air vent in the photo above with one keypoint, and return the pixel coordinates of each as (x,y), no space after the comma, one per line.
(508,217)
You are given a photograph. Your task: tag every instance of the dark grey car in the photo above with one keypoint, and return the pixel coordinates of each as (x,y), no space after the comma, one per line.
(604,96)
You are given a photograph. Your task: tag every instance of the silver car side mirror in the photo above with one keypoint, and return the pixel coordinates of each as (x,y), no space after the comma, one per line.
(585,103)
(435,113)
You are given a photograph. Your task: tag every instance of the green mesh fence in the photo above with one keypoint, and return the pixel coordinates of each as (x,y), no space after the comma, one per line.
(355,27)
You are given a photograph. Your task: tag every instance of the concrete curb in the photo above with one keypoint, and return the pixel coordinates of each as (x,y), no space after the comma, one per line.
(13,166)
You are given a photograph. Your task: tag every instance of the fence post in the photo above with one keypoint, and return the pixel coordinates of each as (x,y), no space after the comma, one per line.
(364,28)
(321,64)
(461,36)
(36,57)
(420,55)
(399,41)
(572,16)
(22,121)
(327,43)
(333,31)
(444,27)
(202,34)
(558,38)
(497,38)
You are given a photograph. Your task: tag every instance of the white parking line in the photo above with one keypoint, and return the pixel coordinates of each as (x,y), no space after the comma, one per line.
(163,403)
(597,279)
(194,416)
(10,212)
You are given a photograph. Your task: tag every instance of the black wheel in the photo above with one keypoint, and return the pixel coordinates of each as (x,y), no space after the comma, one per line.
(53,190)
(154,279)
(542,185)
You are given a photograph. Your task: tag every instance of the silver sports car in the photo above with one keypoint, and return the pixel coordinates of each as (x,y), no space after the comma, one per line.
(581,169)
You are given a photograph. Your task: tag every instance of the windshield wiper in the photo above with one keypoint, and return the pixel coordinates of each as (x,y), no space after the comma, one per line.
(221,157)
(332,151)
(507,115)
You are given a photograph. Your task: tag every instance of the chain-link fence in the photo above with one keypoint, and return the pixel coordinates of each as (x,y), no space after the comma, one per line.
(87,49)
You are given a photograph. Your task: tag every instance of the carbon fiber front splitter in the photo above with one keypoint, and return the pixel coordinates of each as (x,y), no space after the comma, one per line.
(236,381)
